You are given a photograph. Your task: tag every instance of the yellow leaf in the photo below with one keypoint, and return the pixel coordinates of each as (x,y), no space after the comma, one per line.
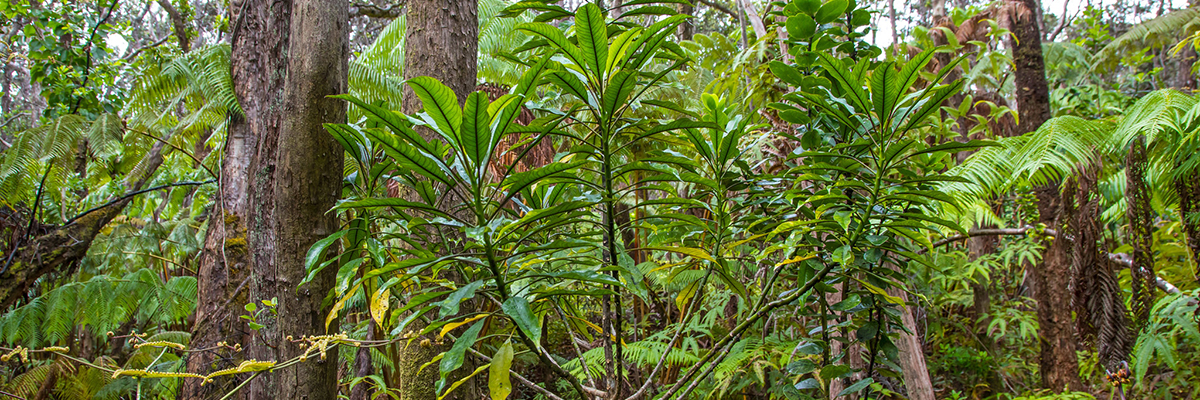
(733,245)
(341,303)
(689,251)
(686,295)
(880,292)
(796,259)
(379,306)
(499,383)
(449,327)
(461,381)
(590,324)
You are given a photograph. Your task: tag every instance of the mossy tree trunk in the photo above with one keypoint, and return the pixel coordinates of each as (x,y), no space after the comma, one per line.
(238,243)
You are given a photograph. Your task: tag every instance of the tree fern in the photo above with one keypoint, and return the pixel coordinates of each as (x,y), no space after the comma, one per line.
(1161,116)
(99,305)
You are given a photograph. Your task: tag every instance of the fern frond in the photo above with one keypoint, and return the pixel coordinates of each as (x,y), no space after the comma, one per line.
(1050,153)
(1159,116)
(1156,33)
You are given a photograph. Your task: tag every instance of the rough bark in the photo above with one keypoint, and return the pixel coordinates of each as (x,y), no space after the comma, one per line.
(1184,80)
(442,42)
(234,243)
(1059,366)
(1139,232)
(362,367)
(308,180)
(917,384)
(1033,95)
(1188,188)
(1050,281)
(687,29)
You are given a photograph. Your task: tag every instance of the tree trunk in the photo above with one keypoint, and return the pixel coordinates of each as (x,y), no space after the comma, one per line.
(1050,280)
(756,21)
(1033,96)
(179,26)
(917,384)
(442,42)
(851,354)
(234,243)
(1184,80)
(1059,366)
(308,182)
(981,291)
(362,367)
(687,29)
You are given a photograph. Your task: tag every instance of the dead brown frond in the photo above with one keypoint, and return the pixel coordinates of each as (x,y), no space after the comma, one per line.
(1101,316)
(1140,231)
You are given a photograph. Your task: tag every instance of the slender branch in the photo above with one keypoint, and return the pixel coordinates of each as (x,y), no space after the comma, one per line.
(11,395)
(718,7)
(574,344)
(724,352)
(514,374)
(1119,258)
(135,193)
(752,319)
(88,67)
(37,200)
(690,310)
(239,387)
(981,232)
(179,149)
(132,55)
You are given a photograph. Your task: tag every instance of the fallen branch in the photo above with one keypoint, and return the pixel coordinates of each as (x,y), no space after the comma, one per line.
(61,249)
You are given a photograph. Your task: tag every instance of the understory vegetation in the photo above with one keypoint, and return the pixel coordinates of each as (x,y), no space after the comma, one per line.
(645,199)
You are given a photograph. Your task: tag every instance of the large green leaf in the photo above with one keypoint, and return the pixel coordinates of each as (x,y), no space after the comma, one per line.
(517,308)
(394,121)
(441,104)
(883,90)
(620,49)
(453,358)
(350,204)
(450,304)
(649,41)
(514,184)
(476,133)
(831,11)
(617,91)
(317,252)
(592,36)
(556,38)
(421,163)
